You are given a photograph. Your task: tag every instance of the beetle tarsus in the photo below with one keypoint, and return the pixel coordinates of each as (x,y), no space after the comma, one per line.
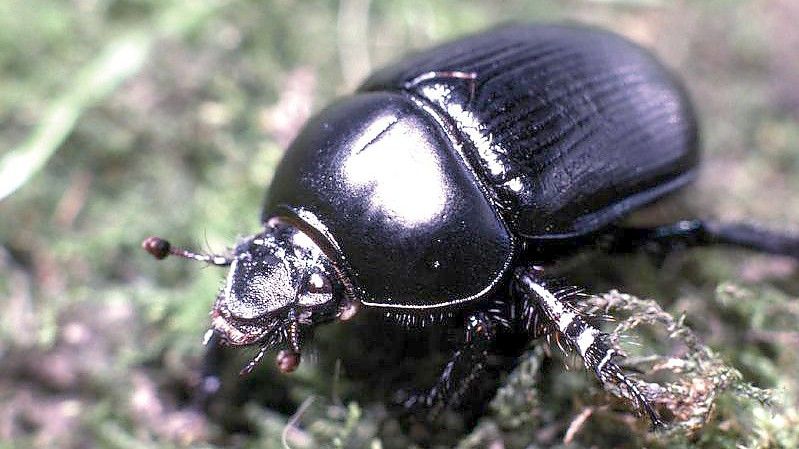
(599,359)
(753,237)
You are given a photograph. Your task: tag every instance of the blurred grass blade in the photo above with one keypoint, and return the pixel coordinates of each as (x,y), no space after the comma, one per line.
(120,59)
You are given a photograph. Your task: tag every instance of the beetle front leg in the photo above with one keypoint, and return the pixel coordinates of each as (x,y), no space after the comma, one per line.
(549,311)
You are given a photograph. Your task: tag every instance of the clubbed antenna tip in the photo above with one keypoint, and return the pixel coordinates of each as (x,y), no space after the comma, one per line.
(157,247)
(160,248)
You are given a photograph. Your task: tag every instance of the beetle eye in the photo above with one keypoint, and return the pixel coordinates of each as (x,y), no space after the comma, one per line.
(318,284)
(317,290)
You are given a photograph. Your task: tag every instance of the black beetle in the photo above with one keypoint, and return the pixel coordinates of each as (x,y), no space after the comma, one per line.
(450,177)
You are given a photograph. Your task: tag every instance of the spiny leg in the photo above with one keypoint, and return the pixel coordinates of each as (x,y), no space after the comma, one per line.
(465,366)
(547,308)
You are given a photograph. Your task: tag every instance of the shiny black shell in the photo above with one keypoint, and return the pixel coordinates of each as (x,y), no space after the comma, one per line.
(422,187)
(381,185)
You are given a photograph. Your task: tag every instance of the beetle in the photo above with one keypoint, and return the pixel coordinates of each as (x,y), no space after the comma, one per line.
(442,189)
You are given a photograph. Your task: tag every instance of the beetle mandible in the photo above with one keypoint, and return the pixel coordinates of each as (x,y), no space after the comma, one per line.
(445,183)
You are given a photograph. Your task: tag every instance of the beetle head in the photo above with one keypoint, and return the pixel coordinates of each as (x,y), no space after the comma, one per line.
(279,284)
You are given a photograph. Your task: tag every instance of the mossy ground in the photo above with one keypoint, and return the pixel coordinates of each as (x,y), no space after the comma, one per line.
(100,345)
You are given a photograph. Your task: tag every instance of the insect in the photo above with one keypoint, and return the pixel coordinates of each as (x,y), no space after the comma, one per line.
(450,180)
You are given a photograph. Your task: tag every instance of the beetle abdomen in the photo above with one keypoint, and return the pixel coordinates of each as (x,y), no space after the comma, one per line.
(570,127)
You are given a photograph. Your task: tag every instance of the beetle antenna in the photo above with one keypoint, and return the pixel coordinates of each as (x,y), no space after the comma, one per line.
(161,248)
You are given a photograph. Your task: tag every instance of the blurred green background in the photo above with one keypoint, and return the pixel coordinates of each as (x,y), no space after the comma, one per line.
(125,118)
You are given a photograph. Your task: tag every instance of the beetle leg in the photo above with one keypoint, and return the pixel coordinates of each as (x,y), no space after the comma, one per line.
(465,366)
(590,343)
(690,233)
